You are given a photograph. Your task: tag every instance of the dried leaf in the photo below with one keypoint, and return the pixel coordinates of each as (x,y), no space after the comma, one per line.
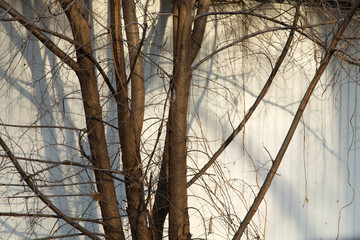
(97,197)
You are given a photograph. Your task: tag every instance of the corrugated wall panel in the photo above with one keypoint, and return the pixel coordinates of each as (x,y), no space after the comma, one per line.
(311,191)
(316,192)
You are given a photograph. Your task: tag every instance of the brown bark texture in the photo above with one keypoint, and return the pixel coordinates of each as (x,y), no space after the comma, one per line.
(130,112)
(76,15)
(171,195)
(178,212)
(186,42)
(172,184)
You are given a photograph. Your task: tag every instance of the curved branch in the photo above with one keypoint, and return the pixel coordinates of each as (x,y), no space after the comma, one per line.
(276,163)
(238,41)
(27,178)
(255,104)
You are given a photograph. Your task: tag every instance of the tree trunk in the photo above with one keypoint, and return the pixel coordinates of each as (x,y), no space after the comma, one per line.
(136,67)
(95,128)
(130,114)
(161,203)
(172,183)
(178,212)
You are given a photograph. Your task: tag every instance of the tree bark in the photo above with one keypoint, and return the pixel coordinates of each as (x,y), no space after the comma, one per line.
(178,212)
(130,113)
(186,46)
(172,181)
(136,66)
(95,128)
(161,203)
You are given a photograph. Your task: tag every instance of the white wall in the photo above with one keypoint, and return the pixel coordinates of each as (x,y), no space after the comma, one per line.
(316,192)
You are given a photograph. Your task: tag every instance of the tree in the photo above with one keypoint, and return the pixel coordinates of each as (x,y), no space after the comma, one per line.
(126,36)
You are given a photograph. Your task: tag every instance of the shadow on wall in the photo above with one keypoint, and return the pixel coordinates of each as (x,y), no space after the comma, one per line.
(317,162)
(51,97)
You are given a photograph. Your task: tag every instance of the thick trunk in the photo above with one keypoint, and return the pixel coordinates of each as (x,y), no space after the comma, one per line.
(178,213)
(130,115)
(95,127)
(172,182)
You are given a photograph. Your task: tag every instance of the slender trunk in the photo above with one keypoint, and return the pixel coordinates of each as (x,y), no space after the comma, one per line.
(130,114)
(137,67)
(161,203)
(95,127)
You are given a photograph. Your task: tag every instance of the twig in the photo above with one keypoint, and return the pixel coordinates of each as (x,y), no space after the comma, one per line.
(41,196)
(38,33)
(253,107)
(41,36)
(42,215)
(323,65)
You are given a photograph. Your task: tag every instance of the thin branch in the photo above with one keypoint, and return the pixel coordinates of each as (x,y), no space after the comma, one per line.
(323,65)
(41,196)
(37,31)
(42,215)
(237,41)
(255,104)
(60,236)
(36,126)
(109,172)
(41,36)
(65,236)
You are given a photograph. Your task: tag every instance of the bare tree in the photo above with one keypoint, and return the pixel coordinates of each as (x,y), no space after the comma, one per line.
(154,175)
